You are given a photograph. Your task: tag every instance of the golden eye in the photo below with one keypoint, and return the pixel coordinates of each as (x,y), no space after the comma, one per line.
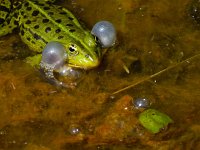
(73,50)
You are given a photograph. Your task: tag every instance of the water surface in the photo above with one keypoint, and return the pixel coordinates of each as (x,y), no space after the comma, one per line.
(152,36)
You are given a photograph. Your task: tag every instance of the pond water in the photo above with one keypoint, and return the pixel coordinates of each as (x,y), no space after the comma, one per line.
(155,57)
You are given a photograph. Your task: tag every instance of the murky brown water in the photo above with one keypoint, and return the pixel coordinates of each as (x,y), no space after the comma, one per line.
(152,36)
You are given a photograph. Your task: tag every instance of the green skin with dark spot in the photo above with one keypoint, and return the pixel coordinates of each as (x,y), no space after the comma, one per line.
(41,22)
(154,120)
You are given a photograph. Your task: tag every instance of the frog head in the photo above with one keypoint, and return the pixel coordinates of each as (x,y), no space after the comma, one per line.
(84,53)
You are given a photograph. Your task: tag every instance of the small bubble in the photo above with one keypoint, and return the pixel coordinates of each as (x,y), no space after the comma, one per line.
(74,130)
(141,103)
(25,143)
(112,97)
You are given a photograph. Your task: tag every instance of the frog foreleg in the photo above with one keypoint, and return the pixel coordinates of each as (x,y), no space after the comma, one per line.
(48,72)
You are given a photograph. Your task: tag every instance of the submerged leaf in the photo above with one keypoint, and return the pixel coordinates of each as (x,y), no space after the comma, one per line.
(154,120)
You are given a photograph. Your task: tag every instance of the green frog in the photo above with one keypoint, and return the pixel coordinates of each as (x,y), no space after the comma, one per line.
(40,22)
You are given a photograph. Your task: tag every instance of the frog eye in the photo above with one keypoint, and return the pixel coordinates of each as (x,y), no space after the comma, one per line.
(73,50)
(97,41)
(96,38)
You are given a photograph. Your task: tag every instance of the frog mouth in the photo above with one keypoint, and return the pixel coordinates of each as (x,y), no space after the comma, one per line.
(83,65)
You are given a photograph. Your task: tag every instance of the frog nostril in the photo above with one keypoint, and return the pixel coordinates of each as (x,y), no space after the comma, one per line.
(87,55)
(97,52)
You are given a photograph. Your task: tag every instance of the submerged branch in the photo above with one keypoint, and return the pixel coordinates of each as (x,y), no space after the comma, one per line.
(154,75)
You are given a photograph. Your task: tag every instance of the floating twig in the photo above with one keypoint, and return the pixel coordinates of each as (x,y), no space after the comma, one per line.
(155,74)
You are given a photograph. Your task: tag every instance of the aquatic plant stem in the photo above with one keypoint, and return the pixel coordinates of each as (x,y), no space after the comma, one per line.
(155,74)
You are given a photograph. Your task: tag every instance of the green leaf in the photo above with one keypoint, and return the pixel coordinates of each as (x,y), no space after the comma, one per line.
(154,120)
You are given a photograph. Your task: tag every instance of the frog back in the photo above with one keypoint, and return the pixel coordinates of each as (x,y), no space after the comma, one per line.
(6,19)
(41,22)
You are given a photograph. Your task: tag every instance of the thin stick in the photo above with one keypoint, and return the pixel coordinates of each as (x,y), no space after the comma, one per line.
(154,75)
